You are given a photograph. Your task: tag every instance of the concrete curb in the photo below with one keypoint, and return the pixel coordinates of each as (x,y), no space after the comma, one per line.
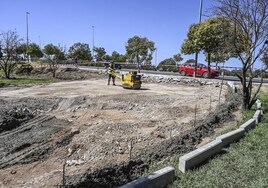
(250,124)
(165,176)
(257,116)
(231,137)
(199,155)
(157,179)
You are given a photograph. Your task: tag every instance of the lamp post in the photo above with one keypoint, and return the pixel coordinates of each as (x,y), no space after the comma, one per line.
(199,20)
(93,43)
(39,39)
(155,56)
(27,35)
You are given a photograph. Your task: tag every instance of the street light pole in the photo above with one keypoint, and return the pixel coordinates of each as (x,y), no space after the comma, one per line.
(199,20)
(27,38)
(93,44)
(155,56)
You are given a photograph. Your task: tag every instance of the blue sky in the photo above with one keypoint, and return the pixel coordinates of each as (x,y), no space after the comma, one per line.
(66,22)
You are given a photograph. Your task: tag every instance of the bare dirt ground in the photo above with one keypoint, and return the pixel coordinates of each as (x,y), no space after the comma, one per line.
(107,135)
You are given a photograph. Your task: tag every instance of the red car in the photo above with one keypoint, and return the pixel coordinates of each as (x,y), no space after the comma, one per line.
(187,69)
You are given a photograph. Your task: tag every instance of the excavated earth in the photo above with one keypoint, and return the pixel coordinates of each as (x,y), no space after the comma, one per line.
(80,132)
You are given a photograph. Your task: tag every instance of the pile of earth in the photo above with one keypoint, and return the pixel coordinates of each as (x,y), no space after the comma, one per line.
(68,73)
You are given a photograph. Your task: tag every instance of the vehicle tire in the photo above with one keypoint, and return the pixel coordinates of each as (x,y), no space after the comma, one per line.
(205,75)
(183,73)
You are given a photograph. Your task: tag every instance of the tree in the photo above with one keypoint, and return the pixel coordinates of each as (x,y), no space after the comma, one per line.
(9,42)
(190,61)
(53,54)
(34,50)
(264,59)
(177,57)
(168,65)
(209,36)
(139,50)
(100,53)
(80,51)
(251,18)
(118,57)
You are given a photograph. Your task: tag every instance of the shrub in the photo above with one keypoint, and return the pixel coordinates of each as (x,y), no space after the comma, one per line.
(24,68)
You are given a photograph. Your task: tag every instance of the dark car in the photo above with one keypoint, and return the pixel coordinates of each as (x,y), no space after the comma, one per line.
(117,65)
(187,69)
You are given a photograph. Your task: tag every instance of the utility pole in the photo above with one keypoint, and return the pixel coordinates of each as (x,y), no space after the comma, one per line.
(199,20)
(93,44)
(27,36)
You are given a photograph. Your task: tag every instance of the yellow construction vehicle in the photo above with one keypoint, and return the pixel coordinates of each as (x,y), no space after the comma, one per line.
(130,80)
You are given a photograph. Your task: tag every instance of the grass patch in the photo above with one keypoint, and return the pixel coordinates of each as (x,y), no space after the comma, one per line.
(243,164)
(24,81)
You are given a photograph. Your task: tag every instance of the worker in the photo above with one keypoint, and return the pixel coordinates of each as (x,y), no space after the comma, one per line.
(111,72)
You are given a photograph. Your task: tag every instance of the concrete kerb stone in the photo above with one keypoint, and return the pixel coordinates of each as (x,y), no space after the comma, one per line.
(231,137)
(199,155)
(250,124)
(203,153)
(157,179)
(257,116)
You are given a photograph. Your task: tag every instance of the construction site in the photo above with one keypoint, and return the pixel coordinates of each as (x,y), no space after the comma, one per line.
(81,132)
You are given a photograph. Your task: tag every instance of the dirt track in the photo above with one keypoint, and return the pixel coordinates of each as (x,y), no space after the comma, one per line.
(92,126)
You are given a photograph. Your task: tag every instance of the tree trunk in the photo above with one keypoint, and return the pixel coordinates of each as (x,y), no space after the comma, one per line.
(6,74)
(5,69)
(209,57)
(138,62)
(245,89)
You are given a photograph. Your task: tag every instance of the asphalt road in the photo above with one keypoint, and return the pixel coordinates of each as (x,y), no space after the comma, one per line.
(226,78)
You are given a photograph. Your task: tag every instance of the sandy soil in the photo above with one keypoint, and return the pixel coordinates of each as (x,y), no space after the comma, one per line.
(89,125)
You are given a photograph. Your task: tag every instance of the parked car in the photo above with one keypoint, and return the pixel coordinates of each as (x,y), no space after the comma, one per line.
(117,65)
(187,69)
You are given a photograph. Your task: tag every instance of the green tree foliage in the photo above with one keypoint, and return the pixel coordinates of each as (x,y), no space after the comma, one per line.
(22,48)
(34,50)
(168,65)
(54,54)
(251,19)
(118,57)
(9,42)
(139,50)
(100,53)
(190,61)
(177,57)
(80,51)
(209,37)
(265,59)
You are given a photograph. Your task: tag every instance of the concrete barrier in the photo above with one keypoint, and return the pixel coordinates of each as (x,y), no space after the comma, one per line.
(250,124)
(257,116)
(157,179)
(231,137)
(199,155)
